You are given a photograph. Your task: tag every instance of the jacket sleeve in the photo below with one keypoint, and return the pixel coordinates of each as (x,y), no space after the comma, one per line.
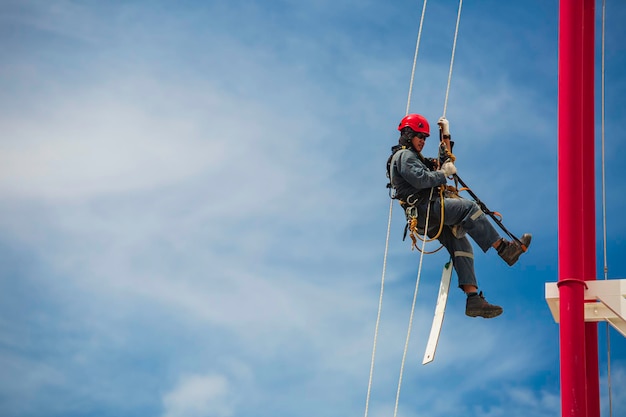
(415,172)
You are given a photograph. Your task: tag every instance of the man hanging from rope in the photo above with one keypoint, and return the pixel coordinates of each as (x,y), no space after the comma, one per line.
(420,185)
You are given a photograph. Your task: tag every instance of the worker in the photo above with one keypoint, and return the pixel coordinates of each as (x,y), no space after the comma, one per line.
(415,181)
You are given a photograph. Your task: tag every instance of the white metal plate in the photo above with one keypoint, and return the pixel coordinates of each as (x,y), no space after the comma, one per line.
(440,310)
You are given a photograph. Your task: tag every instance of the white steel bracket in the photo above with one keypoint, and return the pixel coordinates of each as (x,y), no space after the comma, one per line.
(605,300)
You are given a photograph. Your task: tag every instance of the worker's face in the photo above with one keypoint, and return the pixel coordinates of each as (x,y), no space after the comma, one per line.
(418,141)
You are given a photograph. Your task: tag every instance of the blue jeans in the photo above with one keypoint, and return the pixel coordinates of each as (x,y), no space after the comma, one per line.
(468,218)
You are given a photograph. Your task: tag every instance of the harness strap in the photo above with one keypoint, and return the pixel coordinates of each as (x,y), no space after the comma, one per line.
(392,164)
(410,203)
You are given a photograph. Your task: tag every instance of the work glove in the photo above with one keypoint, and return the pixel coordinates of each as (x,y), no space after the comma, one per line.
(444,125)
(448,169)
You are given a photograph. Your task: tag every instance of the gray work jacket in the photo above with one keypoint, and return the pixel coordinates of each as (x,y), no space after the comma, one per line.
(411,177)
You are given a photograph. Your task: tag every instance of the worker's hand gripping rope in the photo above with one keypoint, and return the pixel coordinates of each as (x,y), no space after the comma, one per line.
(448,169)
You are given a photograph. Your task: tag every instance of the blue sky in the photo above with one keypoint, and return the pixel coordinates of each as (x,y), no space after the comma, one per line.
(193,208)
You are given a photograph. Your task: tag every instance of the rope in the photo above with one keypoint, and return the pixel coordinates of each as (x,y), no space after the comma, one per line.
(380,307)
(606,265)
(408,332)
(419,271)
(382,283)
(456,33)
(417,47)
(441,216)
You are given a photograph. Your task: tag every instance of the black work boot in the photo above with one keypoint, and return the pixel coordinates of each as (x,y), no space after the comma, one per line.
(511,251)
(476,305)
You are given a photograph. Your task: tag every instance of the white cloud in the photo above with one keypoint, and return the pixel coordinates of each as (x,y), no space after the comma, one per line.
(100,145)
(221,188)
(200,396)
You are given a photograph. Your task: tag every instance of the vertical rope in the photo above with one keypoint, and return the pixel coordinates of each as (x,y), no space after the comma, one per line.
(419,269)
(380,307)
(606,264)
(606,268)
(417,283)
(417,47)
(456,33)
(382,283)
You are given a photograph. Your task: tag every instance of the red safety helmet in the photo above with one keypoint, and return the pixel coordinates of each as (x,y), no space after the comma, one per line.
(416,122)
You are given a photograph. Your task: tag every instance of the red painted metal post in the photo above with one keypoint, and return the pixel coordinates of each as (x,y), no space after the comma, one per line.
(589,209)
(571,214)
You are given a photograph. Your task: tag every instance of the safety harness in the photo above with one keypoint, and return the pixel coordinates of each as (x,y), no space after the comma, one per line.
(411,202)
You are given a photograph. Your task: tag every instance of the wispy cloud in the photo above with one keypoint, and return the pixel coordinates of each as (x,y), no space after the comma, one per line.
(193,215)
(199,396)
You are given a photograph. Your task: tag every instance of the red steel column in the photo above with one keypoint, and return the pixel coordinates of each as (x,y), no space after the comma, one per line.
(570,205)
(589,208)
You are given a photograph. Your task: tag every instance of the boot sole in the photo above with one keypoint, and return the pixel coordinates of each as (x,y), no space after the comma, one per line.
(484,314)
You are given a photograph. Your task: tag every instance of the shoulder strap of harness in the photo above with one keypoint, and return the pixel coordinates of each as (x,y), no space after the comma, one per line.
(392,164)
